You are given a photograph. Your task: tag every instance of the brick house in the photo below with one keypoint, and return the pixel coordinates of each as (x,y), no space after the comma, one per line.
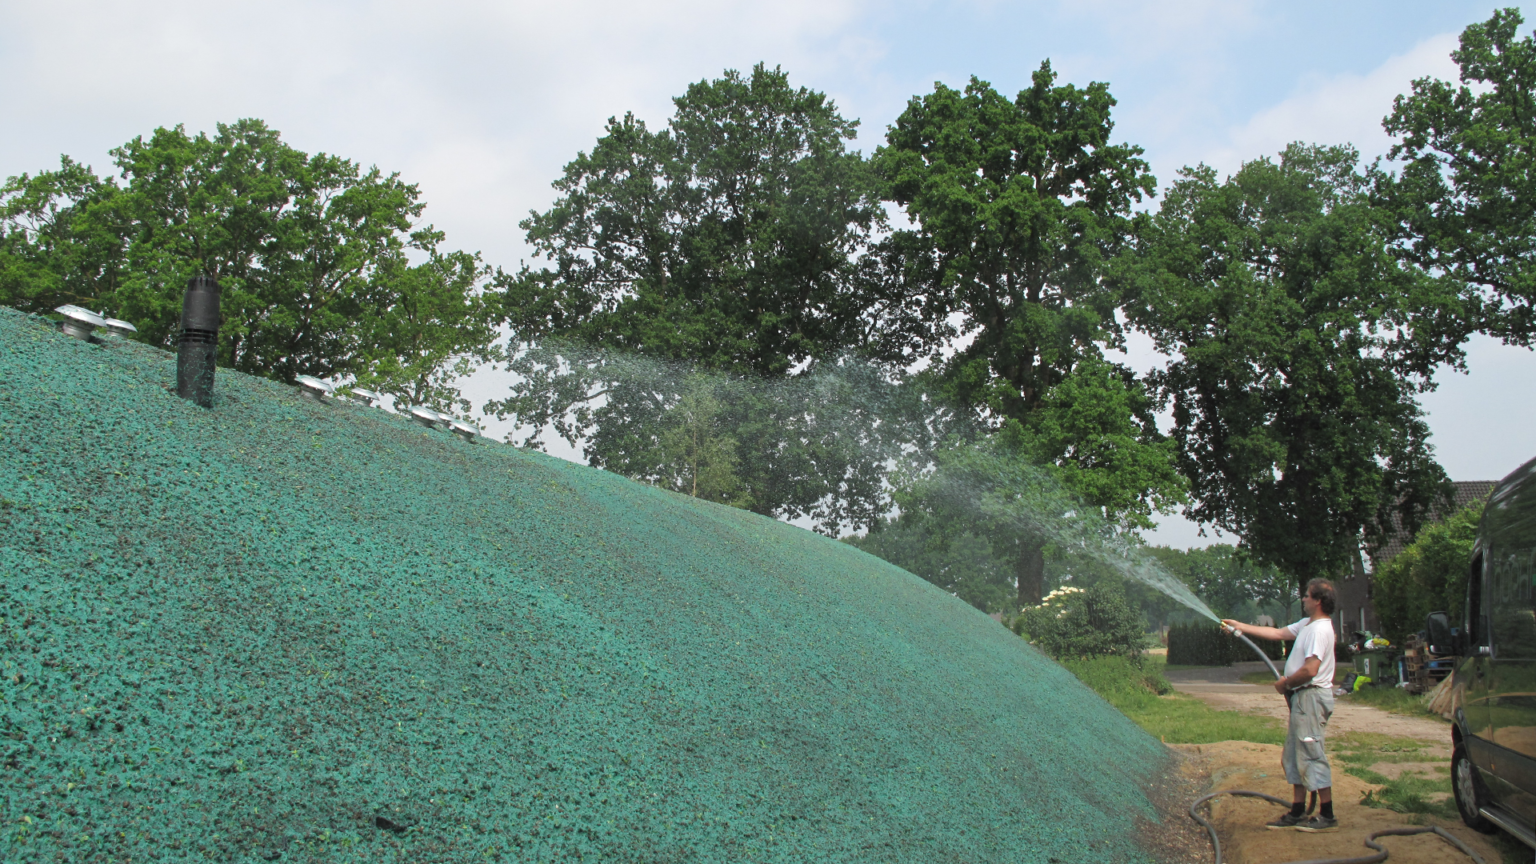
(1355,610)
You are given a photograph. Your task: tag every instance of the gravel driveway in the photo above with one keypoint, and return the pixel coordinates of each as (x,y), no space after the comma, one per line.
(1222,688)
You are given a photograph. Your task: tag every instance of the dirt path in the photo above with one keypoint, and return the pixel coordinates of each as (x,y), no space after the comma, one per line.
(1222,688)
(1256,767)
(1240,821)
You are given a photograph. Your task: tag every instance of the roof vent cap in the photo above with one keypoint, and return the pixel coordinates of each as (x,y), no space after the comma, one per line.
(119,327)
(312,388)
(464,430)
(426,416)
(79,322)
(369,397)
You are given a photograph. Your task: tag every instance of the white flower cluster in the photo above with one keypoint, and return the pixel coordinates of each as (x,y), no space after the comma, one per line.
(1058,594)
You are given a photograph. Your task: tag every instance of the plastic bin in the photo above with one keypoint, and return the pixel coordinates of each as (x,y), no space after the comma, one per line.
(1373,664)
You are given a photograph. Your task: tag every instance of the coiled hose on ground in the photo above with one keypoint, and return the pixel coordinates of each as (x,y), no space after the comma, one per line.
(1379,855)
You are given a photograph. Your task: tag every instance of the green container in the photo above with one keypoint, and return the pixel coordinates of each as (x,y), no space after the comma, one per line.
(1372,664)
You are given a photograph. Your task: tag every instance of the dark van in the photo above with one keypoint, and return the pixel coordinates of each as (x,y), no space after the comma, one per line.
(1493,766)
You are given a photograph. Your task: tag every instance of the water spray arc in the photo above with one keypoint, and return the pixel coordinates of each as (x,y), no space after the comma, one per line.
(878,425)
(1030,500)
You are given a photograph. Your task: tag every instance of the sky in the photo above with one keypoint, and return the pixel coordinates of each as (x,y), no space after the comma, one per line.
(482,103)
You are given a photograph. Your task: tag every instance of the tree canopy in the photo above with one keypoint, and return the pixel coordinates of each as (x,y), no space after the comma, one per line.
(1016,207)
(311,251)
(729,238)
(1020,204)
(1296,343)
(730,244)
(1227,579)
(1464,200)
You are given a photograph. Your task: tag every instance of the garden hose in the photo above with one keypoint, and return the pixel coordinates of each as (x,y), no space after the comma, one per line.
(1259,651)
(1380,853)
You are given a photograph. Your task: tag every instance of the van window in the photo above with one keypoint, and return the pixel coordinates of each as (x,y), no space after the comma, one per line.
(1510,586)
(1473,620)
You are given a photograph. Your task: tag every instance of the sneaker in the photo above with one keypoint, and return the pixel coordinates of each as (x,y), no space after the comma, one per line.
(1285,821)
(1319,823)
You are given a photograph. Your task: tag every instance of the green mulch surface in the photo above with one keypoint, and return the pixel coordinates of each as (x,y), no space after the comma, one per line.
(279,630)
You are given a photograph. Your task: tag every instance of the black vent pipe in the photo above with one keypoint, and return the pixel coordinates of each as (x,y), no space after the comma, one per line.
(197,351)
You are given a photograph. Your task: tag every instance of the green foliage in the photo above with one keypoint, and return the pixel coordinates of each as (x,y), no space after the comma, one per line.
(814,446)
(1073,622)
(988,489)
(1030,509)
(1016,204)
(1466,195)
(1095,428)
(726,244)
(1430,575)
(1124,682)
(423,327)
(964,564)
(293,239)
(310,251)
(59,241)
(727,239)
(1297,342)
(695,455)
(1205,644)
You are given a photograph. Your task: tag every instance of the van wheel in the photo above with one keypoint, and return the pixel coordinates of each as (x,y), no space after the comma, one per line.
(1471,794)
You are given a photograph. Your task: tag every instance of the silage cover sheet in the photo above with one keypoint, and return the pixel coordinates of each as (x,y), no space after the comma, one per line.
(281,630)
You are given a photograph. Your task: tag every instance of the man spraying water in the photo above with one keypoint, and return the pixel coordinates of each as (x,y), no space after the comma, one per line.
(1308,688)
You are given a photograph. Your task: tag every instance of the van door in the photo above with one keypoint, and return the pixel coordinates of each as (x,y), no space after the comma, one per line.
(1473,670)
(1512,676)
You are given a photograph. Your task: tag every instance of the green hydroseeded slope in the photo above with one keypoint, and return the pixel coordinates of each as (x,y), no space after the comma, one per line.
(279,630)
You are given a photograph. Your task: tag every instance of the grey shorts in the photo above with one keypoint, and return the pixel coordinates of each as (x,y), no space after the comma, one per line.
(1304,760)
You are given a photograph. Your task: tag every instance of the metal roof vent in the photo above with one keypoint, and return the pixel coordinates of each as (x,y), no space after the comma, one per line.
(369,397)
(119,327)
(80,322)
(197,349)
(426,416)
(312,388)
(465,431)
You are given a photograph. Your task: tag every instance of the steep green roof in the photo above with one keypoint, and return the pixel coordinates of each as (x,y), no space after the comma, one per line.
(280,630)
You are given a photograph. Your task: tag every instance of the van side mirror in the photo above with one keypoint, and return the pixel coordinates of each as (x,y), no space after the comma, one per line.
(1443,638)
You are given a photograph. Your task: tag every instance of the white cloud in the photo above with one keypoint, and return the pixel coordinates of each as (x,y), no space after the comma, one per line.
(1338,110)
(480,102)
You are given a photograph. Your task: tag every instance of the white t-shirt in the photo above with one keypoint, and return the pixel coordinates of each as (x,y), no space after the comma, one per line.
(1313,639)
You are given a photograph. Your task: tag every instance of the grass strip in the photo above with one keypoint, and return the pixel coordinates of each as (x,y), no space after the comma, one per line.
(1145,696)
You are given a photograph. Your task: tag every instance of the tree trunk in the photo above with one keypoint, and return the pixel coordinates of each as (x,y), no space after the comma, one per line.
(1030,569)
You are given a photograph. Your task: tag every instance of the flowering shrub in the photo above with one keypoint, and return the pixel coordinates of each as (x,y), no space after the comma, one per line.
(1073,622)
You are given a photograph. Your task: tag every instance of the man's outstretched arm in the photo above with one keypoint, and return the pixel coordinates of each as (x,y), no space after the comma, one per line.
(1276,634)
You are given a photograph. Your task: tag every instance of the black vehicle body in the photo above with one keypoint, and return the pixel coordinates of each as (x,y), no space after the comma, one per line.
(1493,766)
